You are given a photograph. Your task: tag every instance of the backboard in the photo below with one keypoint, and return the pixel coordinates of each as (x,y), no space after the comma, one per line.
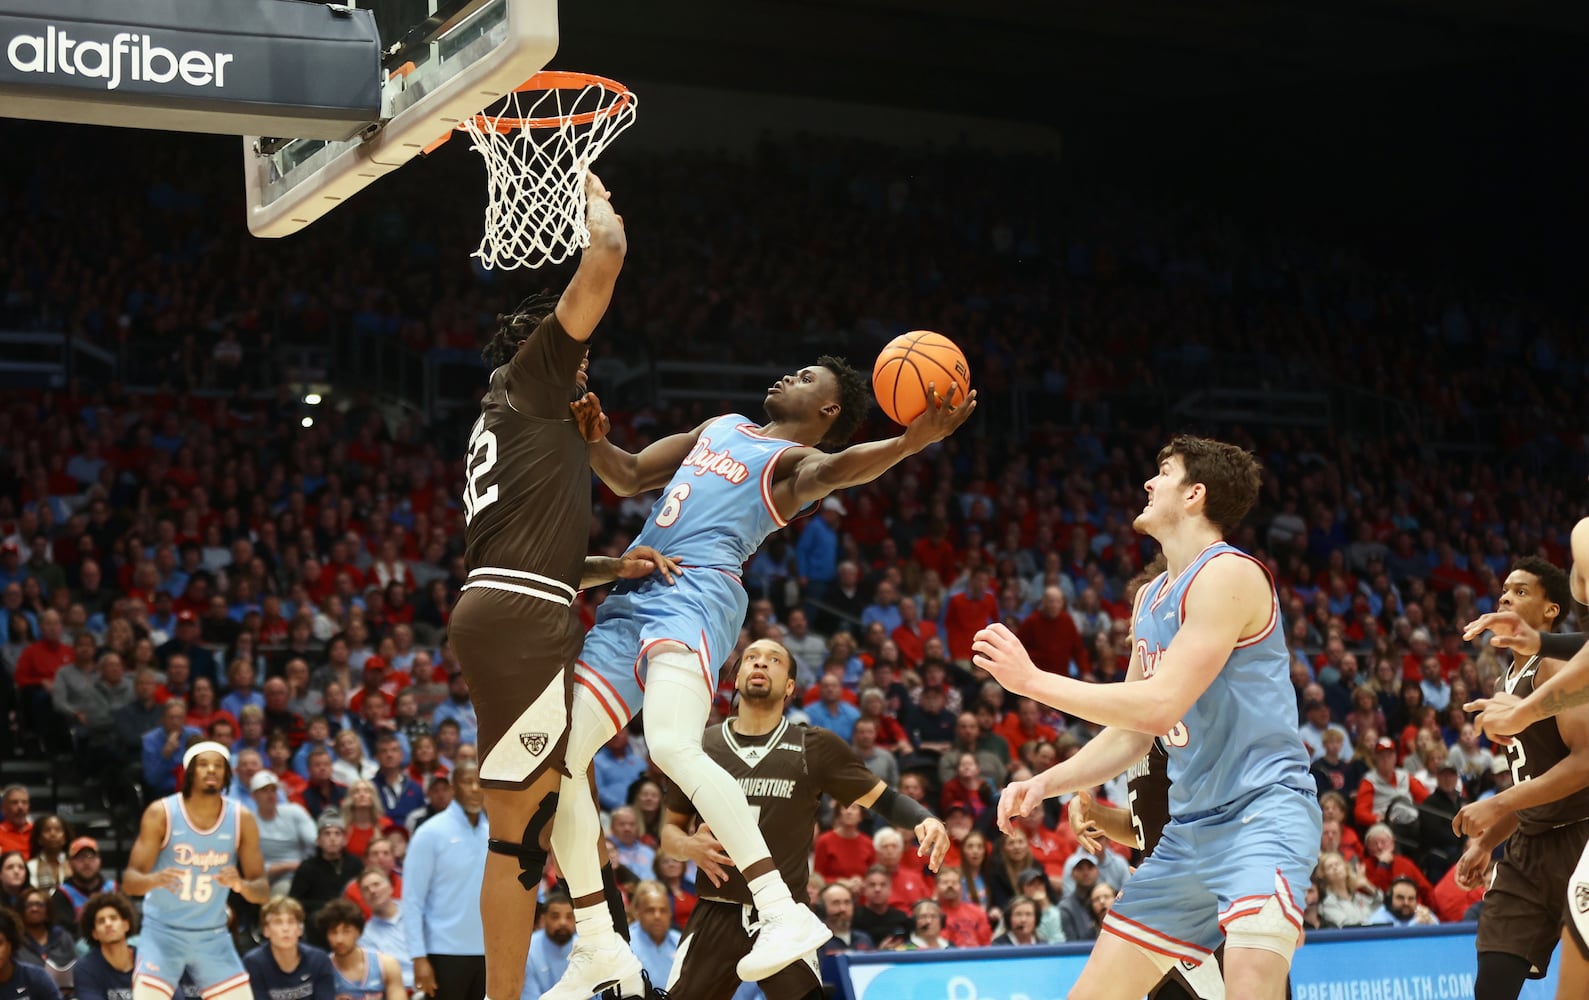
(443,61)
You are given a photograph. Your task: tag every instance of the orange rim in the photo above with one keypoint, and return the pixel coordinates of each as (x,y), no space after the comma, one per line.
(558,80)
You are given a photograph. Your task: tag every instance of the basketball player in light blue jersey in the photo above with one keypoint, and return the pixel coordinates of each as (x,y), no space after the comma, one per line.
(193,848)
(1212,679)
(729,484)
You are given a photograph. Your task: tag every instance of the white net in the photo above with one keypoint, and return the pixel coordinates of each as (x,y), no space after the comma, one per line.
(538,147)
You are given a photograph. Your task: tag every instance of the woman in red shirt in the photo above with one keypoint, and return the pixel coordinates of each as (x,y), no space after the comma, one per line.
(202,708)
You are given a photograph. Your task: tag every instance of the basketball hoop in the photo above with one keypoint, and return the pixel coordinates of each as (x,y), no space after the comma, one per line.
(538,149)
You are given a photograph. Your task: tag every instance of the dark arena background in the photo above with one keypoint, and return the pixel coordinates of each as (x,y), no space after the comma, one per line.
(1348,237)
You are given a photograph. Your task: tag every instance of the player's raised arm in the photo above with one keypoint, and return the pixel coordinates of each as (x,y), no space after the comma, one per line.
(624,473)
(585,299)
(1230,598)
(810,475)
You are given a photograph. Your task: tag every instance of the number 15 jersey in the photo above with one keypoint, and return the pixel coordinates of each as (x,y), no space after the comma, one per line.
(199,854)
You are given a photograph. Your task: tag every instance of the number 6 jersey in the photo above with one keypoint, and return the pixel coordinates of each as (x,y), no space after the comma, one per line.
(200,902)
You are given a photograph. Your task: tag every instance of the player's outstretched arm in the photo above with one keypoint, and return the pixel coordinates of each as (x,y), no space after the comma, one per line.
(139,877)
(1100,759)
(625,473)
(932,837)
(642,560)
(811,475)
(585,300)
(1229,599)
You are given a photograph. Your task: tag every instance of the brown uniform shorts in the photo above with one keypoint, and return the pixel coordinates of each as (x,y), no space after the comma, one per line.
(1528,902)
(714,941)
(517,654)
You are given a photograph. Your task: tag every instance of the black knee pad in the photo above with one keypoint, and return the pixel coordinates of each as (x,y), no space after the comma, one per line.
(532,856)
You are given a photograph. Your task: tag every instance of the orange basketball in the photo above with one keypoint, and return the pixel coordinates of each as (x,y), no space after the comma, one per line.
(911,362)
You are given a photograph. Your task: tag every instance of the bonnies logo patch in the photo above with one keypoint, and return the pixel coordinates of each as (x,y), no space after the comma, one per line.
(534,742)
(1580,897)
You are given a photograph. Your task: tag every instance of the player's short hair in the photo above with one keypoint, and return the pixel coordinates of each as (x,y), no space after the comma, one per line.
(99,901)
(337,913)
(282,904)
(855,396)
(1558,588)
(1231,474)
(515,327)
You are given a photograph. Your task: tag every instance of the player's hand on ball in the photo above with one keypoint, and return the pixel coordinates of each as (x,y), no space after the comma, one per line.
(1019,799)
(708,854)
(643,560)
(592,421)
(934,841)
(997,650)
(943,416)
(1088,834)
(1511,632)
(1498,717)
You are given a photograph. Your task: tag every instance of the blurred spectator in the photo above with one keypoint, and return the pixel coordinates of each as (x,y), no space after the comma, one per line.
(441,894)
(652,935)
(86,880)
(105,971)
(43,939)
(1346,897)
(1384,785)
(1020,921)
(380,854)
(1382,863)
(13,879)
(1075,905)
(1051,636)
(17,976)
(968,738)
(287,834)
(321,793)
(831,711)
(1401,908)
(808,648)
(633,853)
(617,766)
(550,947)
(965,924)
(47,856)
(927,927)
(323,875)
(383,928)
(363,817)
(907,882)
(838,910)
(971,609)
(283,964)
(863,739)
(163,747)
(885,924)
(358,971)
(35,674)
(843,853)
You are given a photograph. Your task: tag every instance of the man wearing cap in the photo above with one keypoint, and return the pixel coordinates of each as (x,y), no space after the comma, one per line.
(164,746)
(286,831)
(1075,906)
(323,875)
(201,662)
(1383,784)
(192,848)
(66,903)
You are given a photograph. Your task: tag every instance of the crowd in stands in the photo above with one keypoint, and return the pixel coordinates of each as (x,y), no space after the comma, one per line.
(174,568)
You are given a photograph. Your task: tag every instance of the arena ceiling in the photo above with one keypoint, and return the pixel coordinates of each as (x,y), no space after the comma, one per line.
(1048,61)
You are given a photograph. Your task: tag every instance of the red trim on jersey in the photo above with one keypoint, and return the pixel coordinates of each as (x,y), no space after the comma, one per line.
(156,983)
(751,430)
(169,823)
(225,984)
(1169,581)
(1233,552)
(1150,944)
(1260,636)
(766,486)
(580,679)
(1197,952)
(702,655)
(194,826)
(1288,904)
(594,675)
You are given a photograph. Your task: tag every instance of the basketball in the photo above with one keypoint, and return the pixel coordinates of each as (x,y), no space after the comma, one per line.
(908,364)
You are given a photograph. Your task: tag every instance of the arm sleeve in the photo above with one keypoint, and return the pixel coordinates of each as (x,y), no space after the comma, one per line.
(541,373)
(838,771)
(1560,645)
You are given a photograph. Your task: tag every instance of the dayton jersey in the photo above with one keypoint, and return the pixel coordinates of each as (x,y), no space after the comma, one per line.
(718,507)
(784,775)
(526,499)
(371,987)
(1536,750)
(199,903)
(1240,736)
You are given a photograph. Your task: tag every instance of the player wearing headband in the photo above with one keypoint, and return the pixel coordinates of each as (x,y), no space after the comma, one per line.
(193,848)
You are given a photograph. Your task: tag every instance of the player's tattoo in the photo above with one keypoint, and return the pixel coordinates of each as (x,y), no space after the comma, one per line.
(1560,701)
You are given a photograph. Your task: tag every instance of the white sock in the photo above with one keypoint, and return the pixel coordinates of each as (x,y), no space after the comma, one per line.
(576,830)
(677,705)
(593,923)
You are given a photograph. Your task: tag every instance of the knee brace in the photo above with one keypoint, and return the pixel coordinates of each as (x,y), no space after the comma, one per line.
(532,856)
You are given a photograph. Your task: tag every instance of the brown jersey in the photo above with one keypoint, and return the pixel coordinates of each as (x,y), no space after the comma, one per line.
(783,774)
(527,497)
(1536,750)
(1148,785)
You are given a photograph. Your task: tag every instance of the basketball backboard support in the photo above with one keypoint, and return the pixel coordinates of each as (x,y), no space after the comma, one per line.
(445,60)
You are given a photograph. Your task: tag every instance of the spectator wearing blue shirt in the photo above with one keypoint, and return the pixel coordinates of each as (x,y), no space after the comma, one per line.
(280,968)
(383,930)
(243,694)
(830,710)
(817,551)
(20,979)
(630,851)
(441,893)
(459,708)
(550,947)
(163,748)
(652,936)
(106,970)
(617,767)
(400,794)
(884,608)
